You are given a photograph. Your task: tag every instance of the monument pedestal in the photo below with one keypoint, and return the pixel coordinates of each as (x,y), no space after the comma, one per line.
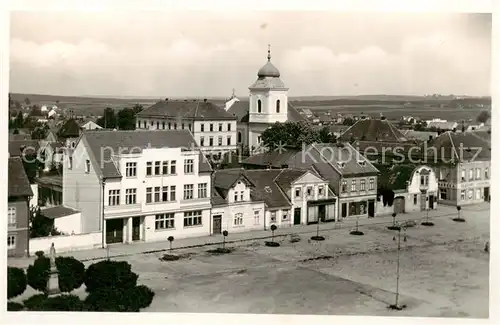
(53,283)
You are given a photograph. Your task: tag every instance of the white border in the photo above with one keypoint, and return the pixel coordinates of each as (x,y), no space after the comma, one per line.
(225,6)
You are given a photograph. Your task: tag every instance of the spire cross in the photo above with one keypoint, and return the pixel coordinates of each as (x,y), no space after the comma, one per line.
(268,52)
(233,93)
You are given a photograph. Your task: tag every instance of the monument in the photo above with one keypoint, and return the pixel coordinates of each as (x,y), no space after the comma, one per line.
(53,283)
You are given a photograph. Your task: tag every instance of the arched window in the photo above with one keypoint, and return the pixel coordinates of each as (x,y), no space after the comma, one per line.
(278,106)
(259,106)
(239,137)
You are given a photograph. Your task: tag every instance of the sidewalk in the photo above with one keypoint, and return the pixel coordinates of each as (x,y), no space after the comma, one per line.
(119,250)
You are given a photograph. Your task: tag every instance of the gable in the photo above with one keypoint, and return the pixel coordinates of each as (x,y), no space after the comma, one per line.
(308,178)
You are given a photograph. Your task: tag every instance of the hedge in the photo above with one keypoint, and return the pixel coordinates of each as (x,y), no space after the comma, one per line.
(62,303)
(38,274)
(71,273)
(109,274)
(119,299)
(14,306)
(35,302)
(16,282)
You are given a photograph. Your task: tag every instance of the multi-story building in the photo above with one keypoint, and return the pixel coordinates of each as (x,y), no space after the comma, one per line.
(256,199)
(212,127)
(463,167)
(351,177)
(19,194)
(139,185)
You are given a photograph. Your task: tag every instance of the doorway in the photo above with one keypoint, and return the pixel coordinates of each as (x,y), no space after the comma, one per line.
(431,202)
(486,194)
(371,208)
(296,216)
(114,231)
(136,228)
(217,224)
(321,213)
(344,210)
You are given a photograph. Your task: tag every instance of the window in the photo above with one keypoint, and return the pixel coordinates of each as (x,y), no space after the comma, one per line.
(353,185)
(152,123)
(471,194)
(462,195)
(372,183)
(157,167)
(175,126)
(211,127)
(256,217)
(12,217)
(320,190)
(130,196)
(471,174)
(131,169)
(220,140)
(189,126)
(463,174)
(202,141)
(87,166)
(344,186)
(478,173)
(442,194)
(273,216)
(172,167)
(309,191)
(486,175)
(188,191)
(70,162)
(426,180)
(278,106)
(239,137)
(362,185)
(242,196)
(228,140)
(157,193)
(11,242)
(164,194)
(238,219)
(149,193)
(163,125)
(188,166)
(202,191)
(172,192)
(202,127)
(169,126)
(164,221)
(415,199)
(149,168)
(235,196)
(229,126)
(211,141)
(114,197)
(157,125)
(297,192)
(478,194)
(220,127)
(145,124)
(285,215)
(259,106)
(182,126)
(164,168)
(422,180)
(192,218)
(259,138)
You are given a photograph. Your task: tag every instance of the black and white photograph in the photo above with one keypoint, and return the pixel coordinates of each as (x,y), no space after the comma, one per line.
(258,162)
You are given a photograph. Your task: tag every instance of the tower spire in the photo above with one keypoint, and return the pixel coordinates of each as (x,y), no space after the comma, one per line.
(268,52)
(233,95)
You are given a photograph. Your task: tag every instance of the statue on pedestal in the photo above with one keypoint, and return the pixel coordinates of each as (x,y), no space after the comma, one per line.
(53,283)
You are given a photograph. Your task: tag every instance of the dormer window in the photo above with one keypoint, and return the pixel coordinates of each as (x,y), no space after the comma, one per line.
(278,106)
(320,190)
(362,163)
(267,189)
(309,191)
(297,192)
(341,164)
(259,106)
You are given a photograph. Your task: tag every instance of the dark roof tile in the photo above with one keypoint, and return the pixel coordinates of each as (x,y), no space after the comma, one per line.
(186,109)
(19,184)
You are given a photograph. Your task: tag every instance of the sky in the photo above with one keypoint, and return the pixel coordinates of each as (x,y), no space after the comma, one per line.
(208,54)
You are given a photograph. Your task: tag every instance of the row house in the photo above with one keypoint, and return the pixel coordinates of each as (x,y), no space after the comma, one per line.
(19,194)
(138,185)
(245,200)
(463,167)
(212,127)
(351,177)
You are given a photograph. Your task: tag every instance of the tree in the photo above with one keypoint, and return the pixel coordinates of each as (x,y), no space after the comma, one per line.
(137,108)
(18,105)
(348,121)
(38,274)
(483,117)
(27,101)
(39,133)
(289,135)
(16,282)
(108,119)
(19,121)
(35,111)
(108,275)
(326,136)
(126,119)
(71,273)
(40,226)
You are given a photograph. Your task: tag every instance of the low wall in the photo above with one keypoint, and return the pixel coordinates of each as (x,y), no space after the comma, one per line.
(66,243)
(381,210)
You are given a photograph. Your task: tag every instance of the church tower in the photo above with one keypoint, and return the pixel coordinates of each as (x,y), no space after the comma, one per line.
(268,96)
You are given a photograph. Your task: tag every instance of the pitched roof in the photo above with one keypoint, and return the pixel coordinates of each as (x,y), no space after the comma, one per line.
(463,146)
(186,109)
(58,212)
(266,189)
(18,147)
(419,135)
(70,129)
(442,125)
(373,130)
(395,177)
(240,110)
(135,141)
(18,182)
(288,176)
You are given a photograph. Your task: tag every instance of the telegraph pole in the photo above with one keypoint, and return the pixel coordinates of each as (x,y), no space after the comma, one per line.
(396,305)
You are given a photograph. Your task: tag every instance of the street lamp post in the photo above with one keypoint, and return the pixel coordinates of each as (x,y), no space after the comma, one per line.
(396,305)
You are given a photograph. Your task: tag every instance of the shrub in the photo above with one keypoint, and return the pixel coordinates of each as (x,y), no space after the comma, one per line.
(38,274)
(110,299)
(62,303)
(35,302)
(16,282)
(144,296)
(14,306)
(109,274)
(71,273)
(39,253)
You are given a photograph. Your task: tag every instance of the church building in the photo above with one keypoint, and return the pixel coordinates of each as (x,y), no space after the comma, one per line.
(267,104)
